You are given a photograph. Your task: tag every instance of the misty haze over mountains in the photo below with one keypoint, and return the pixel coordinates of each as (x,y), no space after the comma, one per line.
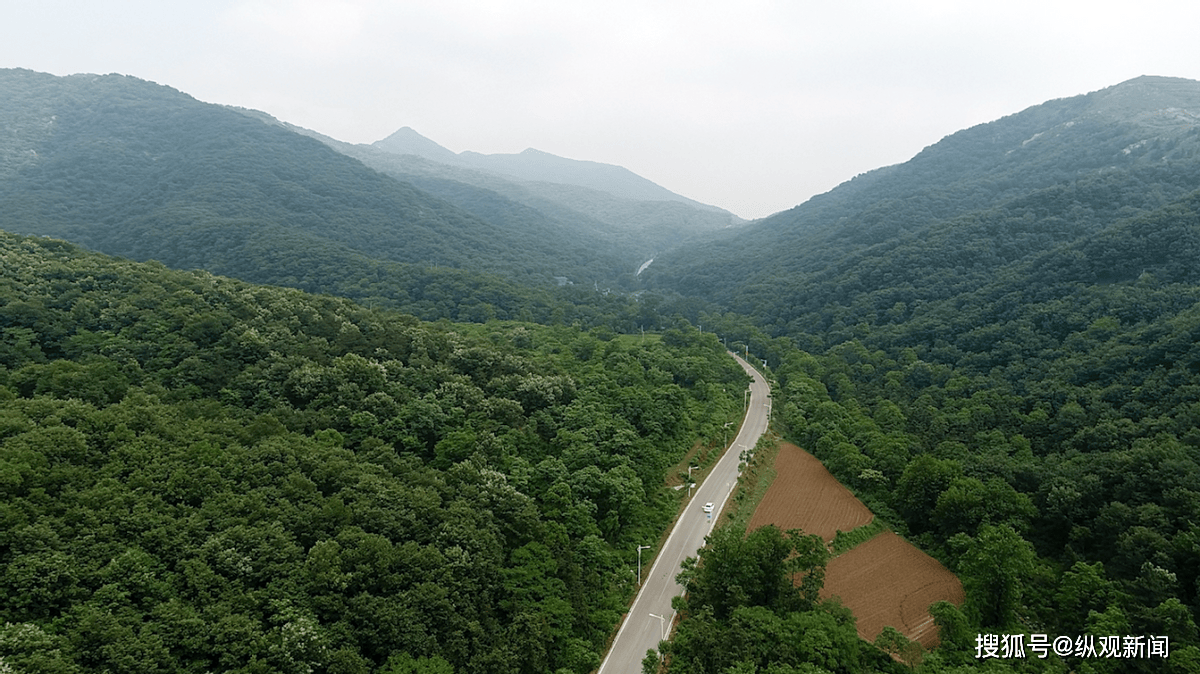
(1074,165)
(535,165)
(603,200)
(155,167)
(157,163)
(159,183)
(436,436)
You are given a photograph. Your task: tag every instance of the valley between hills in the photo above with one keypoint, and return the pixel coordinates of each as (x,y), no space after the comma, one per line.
(272,402)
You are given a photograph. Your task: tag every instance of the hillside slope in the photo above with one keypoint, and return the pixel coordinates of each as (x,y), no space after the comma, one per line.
(968,205)
(634,216)
(201,474)
(999,354)
(139,170)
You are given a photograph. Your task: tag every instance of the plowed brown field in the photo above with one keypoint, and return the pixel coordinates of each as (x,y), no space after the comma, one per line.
(804,495)
(888,581)
(884,581)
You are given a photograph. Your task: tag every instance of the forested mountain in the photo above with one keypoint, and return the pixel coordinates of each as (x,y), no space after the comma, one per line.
(997,346)
(631,214)
(135,169)
(199,474)
(994,344)
(982,198)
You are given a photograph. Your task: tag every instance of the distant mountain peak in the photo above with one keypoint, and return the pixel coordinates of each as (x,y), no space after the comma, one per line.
(1158,81)
(532,164)
(407,141)
(1143,99)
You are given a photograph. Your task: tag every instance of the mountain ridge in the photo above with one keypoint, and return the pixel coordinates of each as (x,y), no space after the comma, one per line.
(1070,148)
(534,165)
(995,344)
(640,229)
(136,169)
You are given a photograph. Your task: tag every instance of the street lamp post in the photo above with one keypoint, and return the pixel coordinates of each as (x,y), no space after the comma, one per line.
(725,437)
(663,622)
(639,570)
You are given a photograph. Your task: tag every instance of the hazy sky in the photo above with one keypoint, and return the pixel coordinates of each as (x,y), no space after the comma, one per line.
(751,106)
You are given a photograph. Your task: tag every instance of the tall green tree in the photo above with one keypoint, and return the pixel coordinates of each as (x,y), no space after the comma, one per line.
(996,572)
(779,571)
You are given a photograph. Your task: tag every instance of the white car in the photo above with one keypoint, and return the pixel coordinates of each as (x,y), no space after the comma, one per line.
(708,507)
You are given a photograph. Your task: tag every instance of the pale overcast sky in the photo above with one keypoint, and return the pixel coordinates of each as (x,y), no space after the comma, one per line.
(753,106)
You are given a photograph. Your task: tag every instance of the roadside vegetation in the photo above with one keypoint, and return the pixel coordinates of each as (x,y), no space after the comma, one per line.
(201,474)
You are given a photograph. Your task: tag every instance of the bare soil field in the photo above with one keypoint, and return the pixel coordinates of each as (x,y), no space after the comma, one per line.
(885,580)
(888,581)
(804,495)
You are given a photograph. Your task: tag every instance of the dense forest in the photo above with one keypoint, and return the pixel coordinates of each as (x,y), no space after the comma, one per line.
(995,345)
(752,605)
(1014,386)
(200,474)
(134,169)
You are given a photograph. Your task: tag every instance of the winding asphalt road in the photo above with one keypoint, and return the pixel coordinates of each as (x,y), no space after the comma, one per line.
(651,616)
